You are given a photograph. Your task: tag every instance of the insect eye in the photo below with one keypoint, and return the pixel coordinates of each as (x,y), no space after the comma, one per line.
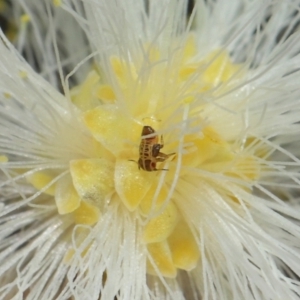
(153,164)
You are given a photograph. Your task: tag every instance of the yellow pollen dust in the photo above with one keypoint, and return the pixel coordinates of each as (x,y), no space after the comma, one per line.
(117,127)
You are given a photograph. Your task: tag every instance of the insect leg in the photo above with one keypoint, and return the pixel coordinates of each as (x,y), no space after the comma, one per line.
(155,149)
(161,141)
(162,156)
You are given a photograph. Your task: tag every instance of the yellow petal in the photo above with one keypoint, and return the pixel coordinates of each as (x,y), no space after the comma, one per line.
(92,178)
(112,128)
(105,92)
(85,95)
(123,70)
(190,48)
(118,66)
(251,167)
(86,213)
(188,70)
(246,167)
(40,179)
(210,145)
(221,69)
(205,150)
(152,52)
(184,249)
(148,200)
(131,183)
(160,227)
(192,156)
(161,255)
(66,197)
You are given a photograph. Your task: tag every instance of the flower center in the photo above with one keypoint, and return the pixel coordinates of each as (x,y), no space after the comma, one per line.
(125,162)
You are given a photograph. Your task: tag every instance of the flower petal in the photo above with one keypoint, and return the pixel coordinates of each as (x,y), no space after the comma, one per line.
(160,253)
(149,200)
(160,227)
(40,179)
(111,127)
(66,197)
(131,183)
(86,213)
(184,249)
(92,178)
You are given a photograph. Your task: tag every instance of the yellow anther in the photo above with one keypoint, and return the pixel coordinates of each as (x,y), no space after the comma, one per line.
(188,100)
(25,18)
(7,95)
(57,3)
(3,159)
(23,74)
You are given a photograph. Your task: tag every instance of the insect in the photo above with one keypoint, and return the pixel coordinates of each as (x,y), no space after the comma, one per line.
(149,151)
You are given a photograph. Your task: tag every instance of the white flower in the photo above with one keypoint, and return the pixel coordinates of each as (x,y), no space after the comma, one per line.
(171,171)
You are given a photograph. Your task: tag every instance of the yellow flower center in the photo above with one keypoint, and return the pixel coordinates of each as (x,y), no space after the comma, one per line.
(115,117)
